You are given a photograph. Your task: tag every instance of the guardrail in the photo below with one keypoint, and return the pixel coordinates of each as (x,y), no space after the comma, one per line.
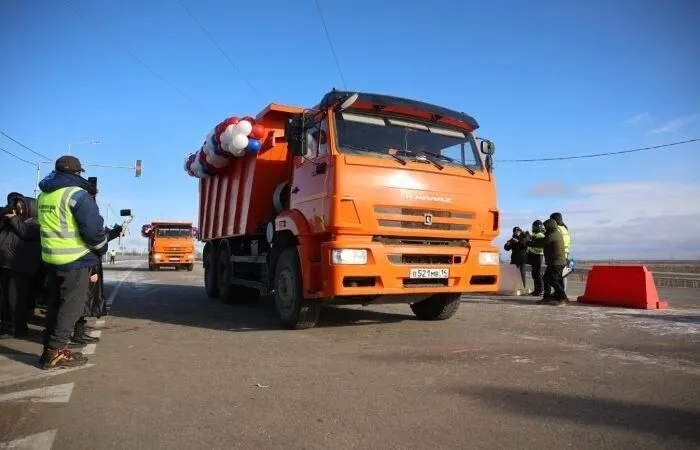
(660,279)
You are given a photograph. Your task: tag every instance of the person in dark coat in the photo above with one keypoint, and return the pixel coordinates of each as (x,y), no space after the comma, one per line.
(517,245)
(555,259)
(20,258)
(95,302)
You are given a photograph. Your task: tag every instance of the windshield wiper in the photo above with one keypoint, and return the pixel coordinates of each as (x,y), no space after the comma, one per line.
(469,169)
(431,158)
(357,147)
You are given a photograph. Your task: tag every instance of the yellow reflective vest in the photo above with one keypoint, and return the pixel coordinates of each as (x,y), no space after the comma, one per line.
(536,250)
(61,242)
(567,238)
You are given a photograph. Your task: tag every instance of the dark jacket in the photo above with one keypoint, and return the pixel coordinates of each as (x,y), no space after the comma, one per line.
(518,250)
(87,215)
(552,243)
(20,247)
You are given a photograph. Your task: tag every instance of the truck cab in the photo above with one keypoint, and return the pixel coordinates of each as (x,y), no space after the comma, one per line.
(170,244)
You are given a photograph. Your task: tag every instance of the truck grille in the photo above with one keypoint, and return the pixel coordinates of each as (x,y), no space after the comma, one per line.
(174,249)
(420,259)
(423,219)
(420,241)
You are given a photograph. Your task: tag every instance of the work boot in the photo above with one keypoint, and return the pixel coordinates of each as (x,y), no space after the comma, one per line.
(80,336)
(53,358)
(535,293)
(562,302)
(545,300)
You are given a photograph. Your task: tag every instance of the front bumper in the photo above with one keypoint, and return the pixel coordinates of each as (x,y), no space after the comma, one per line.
(398,269)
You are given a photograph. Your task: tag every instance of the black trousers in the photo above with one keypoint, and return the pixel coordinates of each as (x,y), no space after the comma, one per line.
(68,292)
(553,279)
(14,288)
(536,266)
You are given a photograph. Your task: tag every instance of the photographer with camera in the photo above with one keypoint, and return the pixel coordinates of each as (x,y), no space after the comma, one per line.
(517,245)
(20,259)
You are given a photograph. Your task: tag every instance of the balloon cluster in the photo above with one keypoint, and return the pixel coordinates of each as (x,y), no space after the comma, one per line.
(231,138)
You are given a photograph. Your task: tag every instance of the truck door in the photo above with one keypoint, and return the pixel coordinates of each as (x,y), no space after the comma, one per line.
(309,191)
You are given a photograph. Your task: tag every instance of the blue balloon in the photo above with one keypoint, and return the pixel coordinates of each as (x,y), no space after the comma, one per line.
(253,146)
(217,149)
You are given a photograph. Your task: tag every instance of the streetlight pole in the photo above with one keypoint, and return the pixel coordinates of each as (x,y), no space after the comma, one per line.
(92,142)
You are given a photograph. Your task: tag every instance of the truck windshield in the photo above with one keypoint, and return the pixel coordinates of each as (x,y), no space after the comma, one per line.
(406,139)
(174,232)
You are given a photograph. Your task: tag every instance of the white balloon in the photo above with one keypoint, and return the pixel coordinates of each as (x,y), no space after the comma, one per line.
(238,151)
(240,142)
(217,161)
(208,146)
(244,127)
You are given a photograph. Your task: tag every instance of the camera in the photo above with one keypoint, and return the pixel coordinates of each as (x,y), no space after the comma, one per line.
(7,210)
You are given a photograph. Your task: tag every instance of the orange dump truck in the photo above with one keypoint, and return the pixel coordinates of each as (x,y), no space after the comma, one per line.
(170,244)
(363,199)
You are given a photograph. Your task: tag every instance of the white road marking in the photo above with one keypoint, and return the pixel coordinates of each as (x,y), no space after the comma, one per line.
(20,369)
(50,394)
(39,441)
(95,333)
(89,349)
(115,290)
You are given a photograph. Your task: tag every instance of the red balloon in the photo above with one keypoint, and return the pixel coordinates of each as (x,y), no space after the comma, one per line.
(258,132)
(231,121)
(249,119)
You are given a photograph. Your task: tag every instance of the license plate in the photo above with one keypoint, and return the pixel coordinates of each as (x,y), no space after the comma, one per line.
(430,273)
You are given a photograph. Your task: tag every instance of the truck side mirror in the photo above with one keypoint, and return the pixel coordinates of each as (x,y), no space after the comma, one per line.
(487,147)
(294,132)
(125,212)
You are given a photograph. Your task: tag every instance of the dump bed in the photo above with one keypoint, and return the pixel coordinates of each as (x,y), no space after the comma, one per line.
(240,200)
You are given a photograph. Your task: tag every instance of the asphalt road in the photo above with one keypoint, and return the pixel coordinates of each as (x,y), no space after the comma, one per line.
(176,370)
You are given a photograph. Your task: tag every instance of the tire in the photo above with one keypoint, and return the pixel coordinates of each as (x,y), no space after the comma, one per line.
(210,281)
(294,312)
(190,267)
(223,274)
(437,307)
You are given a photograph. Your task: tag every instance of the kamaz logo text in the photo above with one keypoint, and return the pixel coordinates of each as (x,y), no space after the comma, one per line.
(427,198)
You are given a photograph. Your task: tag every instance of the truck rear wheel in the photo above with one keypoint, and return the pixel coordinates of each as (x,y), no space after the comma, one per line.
(293,311)
(210,268)
(437,307)
(223,275)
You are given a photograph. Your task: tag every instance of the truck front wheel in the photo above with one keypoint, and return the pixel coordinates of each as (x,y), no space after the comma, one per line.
(293,311)
(437,307)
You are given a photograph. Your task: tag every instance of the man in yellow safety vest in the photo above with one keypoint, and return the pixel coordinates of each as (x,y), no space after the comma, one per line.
(73,241)
(564,230)
(535,257)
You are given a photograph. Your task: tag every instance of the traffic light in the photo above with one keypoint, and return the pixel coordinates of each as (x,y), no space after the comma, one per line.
(139,168)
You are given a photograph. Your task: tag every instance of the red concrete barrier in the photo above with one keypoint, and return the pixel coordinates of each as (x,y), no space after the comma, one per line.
(623,287)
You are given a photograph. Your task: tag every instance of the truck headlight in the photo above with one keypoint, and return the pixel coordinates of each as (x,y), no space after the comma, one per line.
(157,256)
(488,259)
(349,256)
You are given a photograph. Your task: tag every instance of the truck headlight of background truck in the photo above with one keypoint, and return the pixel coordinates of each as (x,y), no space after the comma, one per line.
(488,259)
(349,256)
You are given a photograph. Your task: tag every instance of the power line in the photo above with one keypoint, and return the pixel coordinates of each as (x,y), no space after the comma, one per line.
(25,147)
(221,50)
(595,155)
(15,156)
(137,59)
(330,42)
